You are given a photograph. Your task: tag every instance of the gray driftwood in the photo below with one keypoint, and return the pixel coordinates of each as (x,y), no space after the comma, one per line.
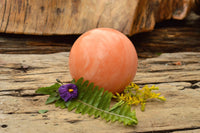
(176,74)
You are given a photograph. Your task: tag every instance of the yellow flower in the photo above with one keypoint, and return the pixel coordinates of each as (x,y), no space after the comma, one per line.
(133,95)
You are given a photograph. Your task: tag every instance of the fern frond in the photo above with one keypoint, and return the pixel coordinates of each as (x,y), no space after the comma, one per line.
(94,101)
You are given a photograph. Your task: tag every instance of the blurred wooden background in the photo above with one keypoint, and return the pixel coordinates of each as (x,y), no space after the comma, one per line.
(167,37)
(64,17)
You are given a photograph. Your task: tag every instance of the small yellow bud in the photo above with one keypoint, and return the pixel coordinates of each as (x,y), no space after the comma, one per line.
(70,90)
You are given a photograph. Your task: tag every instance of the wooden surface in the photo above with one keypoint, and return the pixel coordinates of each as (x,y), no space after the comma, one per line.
(42,17)
(170,36)
(176,74)
(26,64)
(167,37)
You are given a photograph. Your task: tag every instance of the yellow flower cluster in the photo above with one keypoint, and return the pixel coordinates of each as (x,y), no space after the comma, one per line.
(133,95)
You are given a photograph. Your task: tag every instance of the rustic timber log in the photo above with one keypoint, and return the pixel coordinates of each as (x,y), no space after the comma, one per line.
(61,17)
(196,6)
(168,36)
(176,74)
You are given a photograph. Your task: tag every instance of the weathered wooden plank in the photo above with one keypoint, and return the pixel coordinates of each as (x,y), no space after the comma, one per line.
(169,68)
(40,69)
(22,74)
(64,17)
(25,44)
(50,17)
(32,69)
(179,111)
(169,36)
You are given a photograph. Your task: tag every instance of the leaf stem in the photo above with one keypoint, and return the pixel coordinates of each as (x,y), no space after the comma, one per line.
(108,112)
(58,80)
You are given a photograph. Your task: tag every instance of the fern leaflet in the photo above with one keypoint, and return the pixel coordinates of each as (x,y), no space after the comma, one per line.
(92,101)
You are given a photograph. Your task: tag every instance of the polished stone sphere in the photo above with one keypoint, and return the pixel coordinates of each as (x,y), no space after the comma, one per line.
(105,57)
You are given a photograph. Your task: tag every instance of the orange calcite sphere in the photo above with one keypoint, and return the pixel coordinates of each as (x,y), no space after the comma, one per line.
(105,57)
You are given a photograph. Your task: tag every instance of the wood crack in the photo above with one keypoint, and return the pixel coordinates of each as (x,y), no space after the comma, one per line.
(19,93)
(10,113)
(25,16)
(171,130)
(23,68)
(99,19)
(3,13)
(47,73)
(36,25)
(124,27)
(8,18)
(45,24)
(156,83)
(176,70)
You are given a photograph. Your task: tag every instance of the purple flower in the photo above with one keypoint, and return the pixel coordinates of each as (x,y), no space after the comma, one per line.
(68,91)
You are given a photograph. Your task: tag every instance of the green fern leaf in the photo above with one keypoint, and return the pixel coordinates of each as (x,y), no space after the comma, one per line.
(94,101)
(60,103)
(51,90)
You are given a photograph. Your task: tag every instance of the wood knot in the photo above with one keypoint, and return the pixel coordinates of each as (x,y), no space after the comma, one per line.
(24,68)
(4,126)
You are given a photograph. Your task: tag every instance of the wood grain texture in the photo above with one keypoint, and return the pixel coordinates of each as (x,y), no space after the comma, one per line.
(176,74)
(50,17)
(170,36)
(188,131)
(64,17)
(167,37)
(25,44)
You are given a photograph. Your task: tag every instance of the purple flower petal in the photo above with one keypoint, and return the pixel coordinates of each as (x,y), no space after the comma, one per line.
(68,91)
